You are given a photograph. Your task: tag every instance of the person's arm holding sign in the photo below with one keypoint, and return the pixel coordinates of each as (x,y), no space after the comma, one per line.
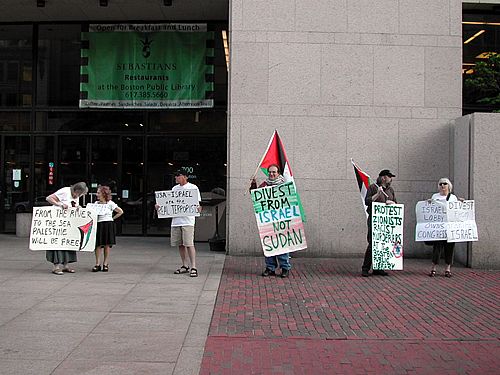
(54,200)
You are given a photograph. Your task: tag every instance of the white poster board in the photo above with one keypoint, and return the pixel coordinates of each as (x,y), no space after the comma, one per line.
(461,222)
(387,236)
(174,203)
(54,228)
(431,220)
(100,209)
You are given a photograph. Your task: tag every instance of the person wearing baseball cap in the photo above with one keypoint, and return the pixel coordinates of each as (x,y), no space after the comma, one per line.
(381,192)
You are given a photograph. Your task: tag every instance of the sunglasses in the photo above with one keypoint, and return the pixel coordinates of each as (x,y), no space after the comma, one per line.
(443,183)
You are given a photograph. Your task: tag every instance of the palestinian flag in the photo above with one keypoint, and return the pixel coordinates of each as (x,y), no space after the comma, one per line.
(363,183)
(85,232)
(275,154)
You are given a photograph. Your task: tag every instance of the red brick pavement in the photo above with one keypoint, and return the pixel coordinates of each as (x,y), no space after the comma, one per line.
(326,319)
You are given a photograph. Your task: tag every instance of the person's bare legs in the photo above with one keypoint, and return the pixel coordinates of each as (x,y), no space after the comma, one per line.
(183,254)
(191,251)
(97,255)
(107,249)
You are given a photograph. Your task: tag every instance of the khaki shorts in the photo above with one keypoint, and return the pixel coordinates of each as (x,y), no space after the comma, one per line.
(182,236)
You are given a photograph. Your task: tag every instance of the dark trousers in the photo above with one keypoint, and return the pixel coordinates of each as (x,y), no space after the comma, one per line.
(440,246)
(367,263)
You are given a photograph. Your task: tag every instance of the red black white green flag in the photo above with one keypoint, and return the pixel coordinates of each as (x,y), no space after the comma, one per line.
(363,182)
(275,154)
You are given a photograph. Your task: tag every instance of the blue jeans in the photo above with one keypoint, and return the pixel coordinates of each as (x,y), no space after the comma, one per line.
(283,259)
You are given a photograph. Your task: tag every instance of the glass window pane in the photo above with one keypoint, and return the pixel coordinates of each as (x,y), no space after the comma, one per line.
(58,65)
(15,66)
(90,121)
(15,121)
(45,169)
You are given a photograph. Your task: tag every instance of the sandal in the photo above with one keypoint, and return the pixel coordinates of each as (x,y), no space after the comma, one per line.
(432,273)
(447,273)
(57,271)
(182,269)
(68,270)
(96,268)
(105,268)
(194,272)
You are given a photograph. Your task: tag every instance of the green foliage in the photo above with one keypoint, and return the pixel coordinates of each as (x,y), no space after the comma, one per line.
(483,85)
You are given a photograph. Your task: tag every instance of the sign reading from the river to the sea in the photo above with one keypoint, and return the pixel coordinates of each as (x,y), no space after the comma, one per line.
(279,218)
(147,66)
(175,203)
(387,236)
(54,228)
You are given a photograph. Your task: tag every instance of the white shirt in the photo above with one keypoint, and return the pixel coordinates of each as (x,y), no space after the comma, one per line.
(182,221)
(108,216)
(439,197)
(64,196)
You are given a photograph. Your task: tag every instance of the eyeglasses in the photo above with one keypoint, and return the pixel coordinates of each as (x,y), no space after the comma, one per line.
(443,183)
(273,172)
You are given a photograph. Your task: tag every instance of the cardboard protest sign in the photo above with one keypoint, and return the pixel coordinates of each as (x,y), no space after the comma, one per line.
(100,209)
(387,236)
(461,221)
(278,214)
(174,203)
(53,228)
(431,221)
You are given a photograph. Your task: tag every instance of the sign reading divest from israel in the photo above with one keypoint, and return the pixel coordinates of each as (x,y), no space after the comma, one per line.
(53,228)
(147,66)
(431,221)
(461,221)
(387,236)
(174,203)
(278,214)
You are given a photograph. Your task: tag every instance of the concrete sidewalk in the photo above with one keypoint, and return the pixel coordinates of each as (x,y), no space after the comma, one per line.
(139,318)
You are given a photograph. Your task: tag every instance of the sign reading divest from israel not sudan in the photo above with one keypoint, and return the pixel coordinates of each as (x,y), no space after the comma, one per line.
(279,218)
(53,228)
(461,221)
(147,66)
(174,203)
(431,221)
(387,236)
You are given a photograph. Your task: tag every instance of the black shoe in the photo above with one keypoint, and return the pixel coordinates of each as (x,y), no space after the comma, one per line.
(380,273)
(96,268)
(285,273)
(268,272)
(365,273)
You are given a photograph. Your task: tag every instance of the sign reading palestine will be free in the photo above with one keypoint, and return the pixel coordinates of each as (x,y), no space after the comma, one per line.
(147,66)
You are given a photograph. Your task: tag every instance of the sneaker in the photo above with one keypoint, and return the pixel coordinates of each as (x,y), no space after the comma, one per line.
(380,273)
(285,273)
(268,272)
(365,273)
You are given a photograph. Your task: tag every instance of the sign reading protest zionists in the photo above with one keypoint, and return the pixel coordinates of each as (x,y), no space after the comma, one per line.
(147,66)
(387,236)
(279,218)
(53,228)
(461,222)
(431,221)
(174,203)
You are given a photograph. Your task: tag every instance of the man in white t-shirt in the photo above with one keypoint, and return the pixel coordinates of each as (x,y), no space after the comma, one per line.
(182,229)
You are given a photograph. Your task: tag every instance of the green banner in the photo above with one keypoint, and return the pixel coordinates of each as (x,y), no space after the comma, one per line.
(147,66)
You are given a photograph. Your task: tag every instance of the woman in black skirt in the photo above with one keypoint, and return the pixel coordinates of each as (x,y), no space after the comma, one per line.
(105,237)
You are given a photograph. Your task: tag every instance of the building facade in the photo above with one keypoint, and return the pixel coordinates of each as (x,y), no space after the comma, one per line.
(379,82)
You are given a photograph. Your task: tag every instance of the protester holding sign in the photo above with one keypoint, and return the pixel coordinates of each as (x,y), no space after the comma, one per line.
(182,227)
(444,194)
(65,198)
(274,178)
(381,192)
(105,238)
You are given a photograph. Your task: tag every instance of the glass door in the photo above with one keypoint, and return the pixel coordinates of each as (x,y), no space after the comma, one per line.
(132,186)
(15,180)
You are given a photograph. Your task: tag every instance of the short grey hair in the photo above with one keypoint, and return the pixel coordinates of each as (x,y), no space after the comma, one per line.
(447,180)
(80,188)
